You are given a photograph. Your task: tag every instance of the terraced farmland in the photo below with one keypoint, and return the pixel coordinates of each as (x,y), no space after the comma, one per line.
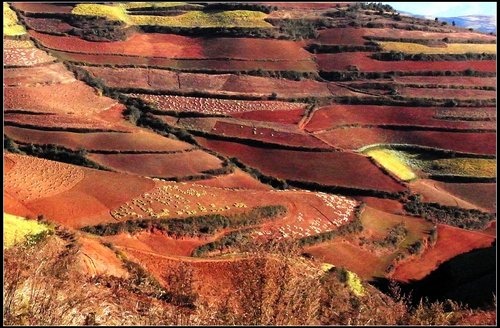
(205,163)
(450,48)
(236,18)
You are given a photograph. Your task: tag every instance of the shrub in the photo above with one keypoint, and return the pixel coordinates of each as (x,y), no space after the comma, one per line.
(10,145)
(416,248)
(61,154)
(191,226)
(463,218)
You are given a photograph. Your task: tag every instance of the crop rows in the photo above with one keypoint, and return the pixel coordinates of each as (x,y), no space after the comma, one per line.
(33,178)
(214,105)
(451,48)
(17,44)
(25,57)
(171,198)
(61,122)
(342,207)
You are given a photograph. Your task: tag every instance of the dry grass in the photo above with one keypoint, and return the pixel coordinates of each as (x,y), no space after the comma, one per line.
(277,287)
(451,48)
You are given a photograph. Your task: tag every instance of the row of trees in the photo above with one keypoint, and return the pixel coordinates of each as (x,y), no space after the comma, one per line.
(191,226)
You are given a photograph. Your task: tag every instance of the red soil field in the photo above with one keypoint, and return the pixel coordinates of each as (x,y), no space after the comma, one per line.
(451,242)
(157,242)
(8,164)
(308,213)
(342,36)
(139,44)
(25,57)
(47,25)
(167,119)
(13,206)
(343,253)
(365,258)
(202,65)
(139,140)
(176,46)
(382,204)
(313,213)
(327,168)
(151,79)
(236,180)
(33,178)
(97,259)
(481,194)
(252,48)
(467,113)
(433,192)
(61,122)
(247,130)
(47,74)
(224,65)
(440,93)
(457,37)
(336,116)
(278,116)
(230,84)
(213,280)
(342,61)
(43,8)
(57,98)
(160,165)
(234,84)
(447,80)
(467,142)
(88,200)
(492,228)
(218,106)
(307,5)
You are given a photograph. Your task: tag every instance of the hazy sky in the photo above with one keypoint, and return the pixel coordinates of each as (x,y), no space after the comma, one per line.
(446,9)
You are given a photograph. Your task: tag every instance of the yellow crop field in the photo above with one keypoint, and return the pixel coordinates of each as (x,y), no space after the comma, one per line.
(451,48)
(129,5)
(392,162)
(11,25)
(235,18)
(195,18)
(16,229)
(110,12)
(476,167)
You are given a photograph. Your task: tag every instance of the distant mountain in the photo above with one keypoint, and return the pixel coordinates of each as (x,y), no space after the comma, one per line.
(481,23)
